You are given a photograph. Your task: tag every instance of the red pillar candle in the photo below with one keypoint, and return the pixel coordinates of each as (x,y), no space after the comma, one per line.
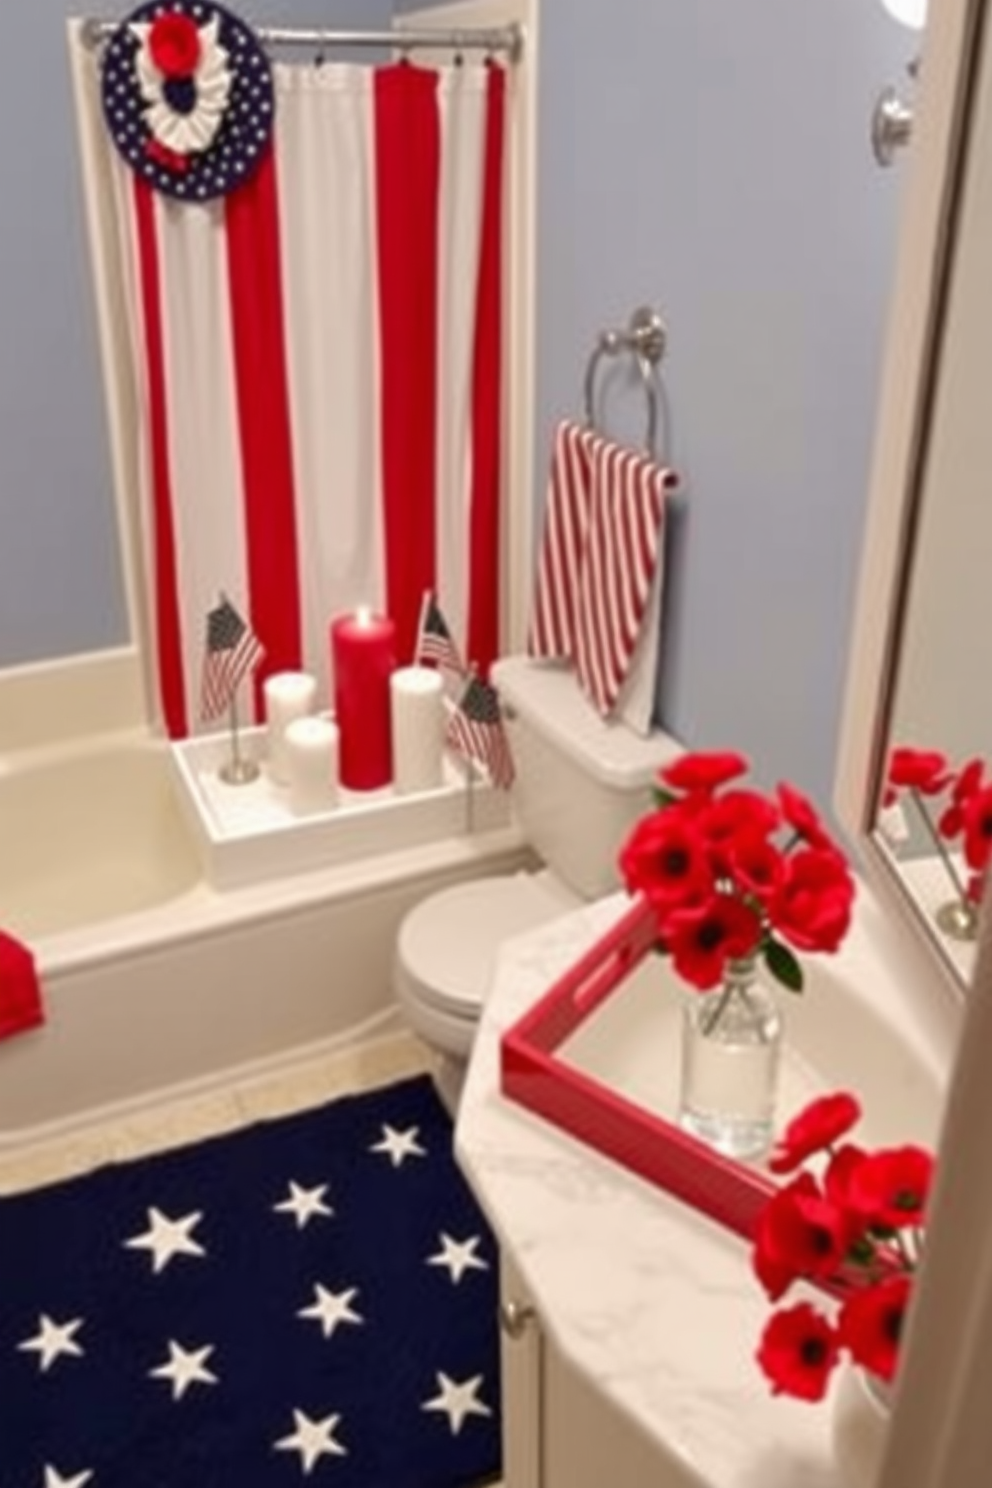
(363,653)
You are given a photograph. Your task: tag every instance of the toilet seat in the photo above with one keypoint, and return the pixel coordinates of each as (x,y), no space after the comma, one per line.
(447,945)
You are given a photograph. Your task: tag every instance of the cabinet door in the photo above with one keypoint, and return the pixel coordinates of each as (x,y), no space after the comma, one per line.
(588,1443)
(521,1349)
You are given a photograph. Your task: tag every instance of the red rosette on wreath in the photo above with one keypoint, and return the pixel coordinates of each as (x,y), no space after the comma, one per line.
(188,98)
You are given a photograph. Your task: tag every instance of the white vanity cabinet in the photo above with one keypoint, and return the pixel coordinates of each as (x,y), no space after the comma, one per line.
(522,1349)
(560,1431)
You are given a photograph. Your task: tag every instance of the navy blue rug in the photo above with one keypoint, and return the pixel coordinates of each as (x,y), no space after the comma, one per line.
(308,1300)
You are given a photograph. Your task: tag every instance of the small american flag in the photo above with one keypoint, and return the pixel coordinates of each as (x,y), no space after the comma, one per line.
(434,639)
(476,730)
(232,649)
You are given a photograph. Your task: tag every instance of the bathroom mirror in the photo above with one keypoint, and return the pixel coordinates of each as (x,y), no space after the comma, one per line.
(918,724)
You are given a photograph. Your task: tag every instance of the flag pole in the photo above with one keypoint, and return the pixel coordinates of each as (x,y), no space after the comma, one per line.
(424,602)
(469,763)
(237,770)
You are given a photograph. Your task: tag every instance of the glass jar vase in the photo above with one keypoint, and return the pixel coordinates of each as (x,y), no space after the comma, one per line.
(731,1049)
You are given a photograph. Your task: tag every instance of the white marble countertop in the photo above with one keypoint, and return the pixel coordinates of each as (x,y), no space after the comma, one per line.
(651,1301)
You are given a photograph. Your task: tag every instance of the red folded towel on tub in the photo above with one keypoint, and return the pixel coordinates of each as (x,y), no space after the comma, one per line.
(20,992)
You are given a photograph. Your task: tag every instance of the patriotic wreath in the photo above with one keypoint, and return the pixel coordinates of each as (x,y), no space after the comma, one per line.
(187,96)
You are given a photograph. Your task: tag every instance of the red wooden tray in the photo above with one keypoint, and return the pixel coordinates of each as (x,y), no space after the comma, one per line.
(533,1075)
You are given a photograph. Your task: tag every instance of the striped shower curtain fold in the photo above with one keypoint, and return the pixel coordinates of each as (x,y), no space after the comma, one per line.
(317,363)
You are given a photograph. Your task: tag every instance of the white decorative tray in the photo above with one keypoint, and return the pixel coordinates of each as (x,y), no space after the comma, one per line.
(247,833)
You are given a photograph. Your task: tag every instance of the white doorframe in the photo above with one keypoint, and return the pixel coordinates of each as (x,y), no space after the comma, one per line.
(519,315)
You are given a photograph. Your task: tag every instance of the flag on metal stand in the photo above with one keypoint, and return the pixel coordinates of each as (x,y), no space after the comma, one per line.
(434,639)
(232,649)
(476,730)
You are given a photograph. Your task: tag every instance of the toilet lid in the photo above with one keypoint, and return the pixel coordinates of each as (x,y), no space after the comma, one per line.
(447,945)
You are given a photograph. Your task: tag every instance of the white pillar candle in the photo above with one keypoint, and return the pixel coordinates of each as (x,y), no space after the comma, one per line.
(311,746)
(288,696)
(417,710)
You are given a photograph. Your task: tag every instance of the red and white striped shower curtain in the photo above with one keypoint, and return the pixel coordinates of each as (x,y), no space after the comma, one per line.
(317,364)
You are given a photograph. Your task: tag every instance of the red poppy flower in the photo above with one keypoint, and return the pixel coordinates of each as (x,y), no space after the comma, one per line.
(812,909)
(802,816)
(702,771)
(839,1175)
(702,940)
(808,1233)
(890,1187)
(871,1323)
(950,823)
(174,43)
(925,770)
(798,1351)
(737,816)
(774,1266)
(775,1276)
(817,1126)
(968,783)
(978,830)
(975,888)
(664,857)
(756,866)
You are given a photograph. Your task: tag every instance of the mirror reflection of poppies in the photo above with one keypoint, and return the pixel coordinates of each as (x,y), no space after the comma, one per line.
(935,809)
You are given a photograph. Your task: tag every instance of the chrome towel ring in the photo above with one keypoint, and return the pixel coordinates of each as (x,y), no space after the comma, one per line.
(646,338)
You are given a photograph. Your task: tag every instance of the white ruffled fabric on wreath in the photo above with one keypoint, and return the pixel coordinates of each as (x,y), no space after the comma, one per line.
(193,131)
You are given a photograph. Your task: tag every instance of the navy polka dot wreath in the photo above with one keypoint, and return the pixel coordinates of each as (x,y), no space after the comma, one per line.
(187,95)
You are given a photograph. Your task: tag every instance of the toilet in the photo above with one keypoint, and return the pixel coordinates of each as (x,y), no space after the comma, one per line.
(579,786)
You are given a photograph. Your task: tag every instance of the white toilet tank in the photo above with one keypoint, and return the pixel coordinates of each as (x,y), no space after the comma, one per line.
(581,782)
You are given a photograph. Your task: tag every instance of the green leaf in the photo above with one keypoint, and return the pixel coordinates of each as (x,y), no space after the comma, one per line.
(783,965)
(861,1253)
(664,797)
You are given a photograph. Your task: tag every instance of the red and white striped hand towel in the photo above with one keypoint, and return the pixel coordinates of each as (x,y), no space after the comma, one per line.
(563,545)
(622,551)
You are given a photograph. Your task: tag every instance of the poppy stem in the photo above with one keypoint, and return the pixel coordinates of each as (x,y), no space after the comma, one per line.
(734,981)
(940,845)
(904,1251)
(713,1014)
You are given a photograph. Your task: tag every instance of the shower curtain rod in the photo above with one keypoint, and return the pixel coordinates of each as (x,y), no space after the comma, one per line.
(508,39)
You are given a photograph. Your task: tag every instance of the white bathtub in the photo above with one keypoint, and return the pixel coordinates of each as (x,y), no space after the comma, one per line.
(155,984)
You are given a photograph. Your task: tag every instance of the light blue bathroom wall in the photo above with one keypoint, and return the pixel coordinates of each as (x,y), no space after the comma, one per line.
(60,583)
(713,158)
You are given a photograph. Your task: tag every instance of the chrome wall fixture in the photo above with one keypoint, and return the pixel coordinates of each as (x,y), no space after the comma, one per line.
(892,122)
(891,126)
(645,338)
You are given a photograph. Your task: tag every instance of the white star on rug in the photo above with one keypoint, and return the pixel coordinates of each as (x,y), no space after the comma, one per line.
(185,1367)
(52,1340)
(304,1203)
(459,1256)
(331,1308)
(457,1400)
(399,1144)
(54,1479)
(166,1238)
(312,1439)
